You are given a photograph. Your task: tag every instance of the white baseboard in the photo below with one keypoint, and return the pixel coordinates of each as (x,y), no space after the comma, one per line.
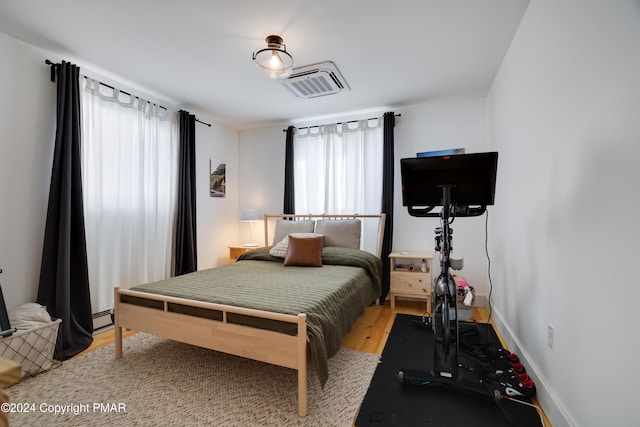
(552,406)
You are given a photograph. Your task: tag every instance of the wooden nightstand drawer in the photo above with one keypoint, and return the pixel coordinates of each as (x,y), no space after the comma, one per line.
(410,283)
(406,278)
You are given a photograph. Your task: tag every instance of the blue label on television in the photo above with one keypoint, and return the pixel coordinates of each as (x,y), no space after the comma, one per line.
(441,152)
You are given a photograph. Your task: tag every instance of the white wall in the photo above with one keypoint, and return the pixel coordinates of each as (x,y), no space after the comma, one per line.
(261,158)
(217,217)
(422,127)
(27,126)
(432,126)
(565,116)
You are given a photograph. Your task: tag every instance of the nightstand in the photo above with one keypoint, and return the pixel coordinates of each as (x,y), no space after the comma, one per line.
(236,251)
(407,279)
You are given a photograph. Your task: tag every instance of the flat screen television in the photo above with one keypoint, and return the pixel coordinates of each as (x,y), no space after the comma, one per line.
(472,178)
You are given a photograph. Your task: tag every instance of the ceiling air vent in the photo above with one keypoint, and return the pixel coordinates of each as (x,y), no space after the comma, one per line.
(312,81)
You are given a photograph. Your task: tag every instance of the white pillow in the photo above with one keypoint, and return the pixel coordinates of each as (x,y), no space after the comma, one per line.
(28,316)
(280,248)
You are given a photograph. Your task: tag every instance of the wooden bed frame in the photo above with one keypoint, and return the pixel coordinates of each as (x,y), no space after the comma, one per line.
(253,343)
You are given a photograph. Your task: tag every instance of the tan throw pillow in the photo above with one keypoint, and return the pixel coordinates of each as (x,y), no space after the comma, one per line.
(341,233)
(304,252)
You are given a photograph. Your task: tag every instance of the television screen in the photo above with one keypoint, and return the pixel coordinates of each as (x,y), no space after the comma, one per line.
(472,176)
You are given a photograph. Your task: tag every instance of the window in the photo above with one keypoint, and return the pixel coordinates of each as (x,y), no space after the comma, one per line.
(338,170)
(129,173)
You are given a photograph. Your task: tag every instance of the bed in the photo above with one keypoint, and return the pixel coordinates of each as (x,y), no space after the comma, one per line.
(270,305)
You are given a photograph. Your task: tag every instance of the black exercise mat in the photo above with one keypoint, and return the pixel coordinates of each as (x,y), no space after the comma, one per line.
(389,403)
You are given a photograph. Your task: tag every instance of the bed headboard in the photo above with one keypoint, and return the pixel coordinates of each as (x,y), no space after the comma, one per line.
(372,227)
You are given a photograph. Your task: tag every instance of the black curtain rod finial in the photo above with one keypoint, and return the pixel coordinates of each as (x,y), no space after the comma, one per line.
(53,66)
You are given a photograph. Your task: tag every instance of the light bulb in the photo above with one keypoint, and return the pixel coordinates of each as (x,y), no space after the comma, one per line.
(275,60)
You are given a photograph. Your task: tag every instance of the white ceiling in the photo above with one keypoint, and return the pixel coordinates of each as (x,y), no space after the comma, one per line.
(197,53)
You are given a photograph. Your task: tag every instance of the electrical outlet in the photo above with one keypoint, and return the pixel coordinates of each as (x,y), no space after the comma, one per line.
(550,333)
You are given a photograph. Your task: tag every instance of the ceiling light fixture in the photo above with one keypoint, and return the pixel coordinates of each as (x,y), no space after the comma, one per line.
(274,60)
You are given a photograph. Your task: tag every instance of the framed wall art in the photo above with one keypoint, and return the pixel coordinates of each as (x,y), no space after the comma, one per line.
(217,178)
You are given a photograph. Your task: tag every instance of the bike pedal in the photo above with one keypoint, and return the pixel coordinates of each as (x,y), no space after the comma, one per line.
(518,367)
(511,388)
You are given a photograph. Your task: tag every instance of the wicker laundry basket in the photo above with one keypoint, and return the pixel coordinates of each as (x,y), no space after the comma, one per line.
(32,348)
(465,312)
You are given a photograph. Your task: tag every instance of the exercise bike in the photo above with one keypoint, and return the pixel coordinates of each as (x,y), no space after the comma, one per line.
(463,185)
(446,369)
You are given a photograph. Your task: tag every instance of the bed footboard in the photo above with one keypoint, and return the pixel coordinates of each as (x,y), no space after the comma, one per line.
(254,343)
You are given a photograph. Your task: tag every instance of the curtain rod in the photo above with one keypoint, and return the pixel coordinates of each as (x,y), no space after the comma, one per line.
(53,79)
(200,121)
(54,65)
(340,123)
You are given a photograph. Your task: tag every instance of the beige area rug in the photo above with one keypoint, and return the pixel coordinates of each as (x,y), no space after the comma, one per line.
(165,383)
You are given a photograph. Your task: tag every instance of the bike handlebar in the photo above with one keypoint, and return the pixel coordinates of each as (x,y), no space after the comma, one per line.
(456,211)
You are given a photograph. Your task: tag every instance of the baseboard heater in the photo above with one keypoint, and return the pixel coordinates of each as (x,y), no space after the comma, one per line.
(102,319)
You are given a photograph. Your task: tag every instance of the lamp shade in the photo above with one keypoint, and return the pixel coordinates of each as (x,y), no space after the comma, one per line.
(274,60)
(250,215)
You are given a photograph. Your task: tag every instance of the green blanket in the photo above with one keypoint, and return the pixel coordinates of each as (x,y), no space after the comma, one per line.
(330,256)
(332,296)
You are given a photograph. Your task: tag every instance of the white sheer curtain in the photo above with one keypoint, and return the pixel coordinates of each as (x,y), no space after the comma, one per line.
(338,170)
(129,175)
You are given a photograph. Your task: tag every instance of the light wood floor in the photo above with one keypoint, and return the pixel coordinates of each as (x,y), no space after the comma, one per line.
(371,331)
(369,334)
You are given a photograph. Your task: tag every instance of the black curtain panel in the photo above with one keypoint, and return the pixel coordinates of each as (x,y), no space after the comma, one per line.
(64,275)
(289,189)
(186,243)
(387,198)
